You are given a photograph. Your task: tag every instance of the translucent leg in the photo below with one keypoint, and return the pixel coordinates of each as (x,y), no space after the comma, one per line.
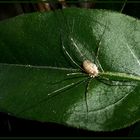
(66,33)
(76,76)
(71,58)
(55,93)
(85,97)
(125,1)
(98,48)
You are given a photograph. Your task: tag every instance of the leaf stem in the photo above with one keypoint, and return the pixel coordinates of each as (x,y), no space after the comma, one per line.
(120,76)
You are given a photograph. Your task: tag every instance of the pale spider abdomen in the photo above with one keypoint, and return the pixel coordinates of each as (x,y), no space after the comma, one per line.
(90,68)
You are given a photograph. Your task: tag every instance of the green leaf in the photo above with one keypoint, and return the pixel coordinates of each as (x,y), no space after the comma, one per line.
(41,73)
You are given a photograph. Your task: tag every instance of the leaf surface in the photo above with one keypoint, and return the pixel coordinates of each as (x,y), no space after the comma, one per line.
(41,73)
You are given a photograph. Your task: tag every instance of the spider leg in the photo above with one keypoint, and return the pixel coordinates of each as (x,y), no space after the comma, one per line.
(67,37)
(124,4)
(99,64)
(85,97)
(65,32)
(64,49)
(98,48)
(70,78)
(76,73)
(55,93)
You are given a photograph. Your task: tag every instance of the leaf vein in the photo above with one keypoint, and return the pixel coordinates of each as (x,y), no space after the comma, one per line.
(133,55)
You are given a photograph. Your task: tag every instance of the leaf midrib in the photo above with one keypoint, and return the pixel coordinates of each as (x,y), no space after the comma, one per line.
(110,75)
(121,76)
(39,67)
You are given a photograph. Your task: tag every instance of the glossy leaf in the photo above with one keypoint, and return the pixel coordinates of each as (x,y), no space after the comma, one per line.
(41,73)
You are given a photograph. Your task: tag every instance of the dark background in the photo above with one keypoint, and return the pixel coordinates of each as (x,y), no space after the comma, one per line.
(12,126)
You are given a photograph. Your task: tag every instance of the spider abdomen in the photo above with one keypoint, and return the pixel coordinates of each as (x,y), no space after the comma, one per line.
(90,68)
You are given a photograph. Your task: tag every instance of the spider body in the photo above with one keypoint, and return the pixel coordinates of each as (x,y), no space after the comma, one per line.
(90,68)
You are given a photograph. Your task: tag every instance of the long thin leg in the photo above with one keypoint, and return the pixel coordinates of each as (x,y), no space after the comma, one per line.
(99,64)
(9,125)
(71,58)
(71,40)
(98,44)
(98,48)
(123,6)
(77,73)
(86,100)
(65,87)
(67,28)
(70,78)
(54,94)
